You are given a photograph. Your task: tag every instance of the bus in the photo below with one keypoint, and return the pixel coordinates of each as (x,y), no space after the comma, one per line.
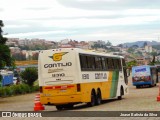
(68,76)
(144,75)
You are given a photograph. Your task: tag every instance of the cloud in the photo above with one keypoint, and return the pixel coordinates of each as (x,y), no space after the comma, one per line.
(110,4)
(38,33)
(97,22)
(120,20)
(1,9)
(16,26)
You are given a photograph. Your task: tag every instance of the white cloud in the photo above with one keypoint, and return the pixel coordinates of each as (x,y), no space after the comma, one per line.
(51,14)
(38,33)
(95,22)
(98,0)
(16,26)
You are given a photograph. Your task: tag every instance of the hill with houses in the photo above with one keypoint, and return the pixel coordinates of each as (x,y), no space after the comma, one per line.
(154,44)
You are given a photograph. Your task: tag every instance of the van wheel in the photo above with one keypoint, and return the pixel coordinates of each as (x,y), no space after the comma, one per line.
(99,98)
(137,86)
(93,99)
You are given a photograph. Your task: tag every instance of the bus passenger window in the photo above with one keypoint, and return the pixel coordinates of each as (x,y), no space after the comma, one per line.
(110,64)
(98,63)
(106,60)
(91,62)
(115,62)
(83,62)
(104,66)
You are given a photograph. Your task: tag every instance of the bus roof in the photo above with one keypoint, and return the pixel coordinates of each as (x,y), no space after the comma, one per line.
(86,51)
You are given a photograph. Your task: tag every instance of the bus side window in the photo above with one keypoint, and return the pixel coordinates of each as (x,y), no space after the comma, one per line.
(115,63)
(106,61)
(98,63)
(104,66)
(83,62)
(110,64)
(91,62)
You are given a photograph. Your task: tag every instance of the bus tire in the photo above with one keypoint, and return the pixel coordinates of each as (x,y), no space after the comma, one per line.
(59,107)
(99,97)
(93,99)
(121,93)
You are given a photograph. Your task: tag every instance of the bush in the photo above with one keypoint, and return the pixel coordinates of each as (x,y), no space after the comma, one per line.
(2,92)
(30,75)
(17,90)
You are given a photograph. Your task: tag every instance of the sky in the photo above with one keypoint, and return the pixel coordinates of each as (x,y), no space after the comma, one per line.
(117,21)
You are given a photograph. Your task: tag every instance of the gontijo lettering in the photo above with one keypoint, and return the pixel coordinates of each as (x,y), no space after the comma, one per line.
(58,56)
(57,65)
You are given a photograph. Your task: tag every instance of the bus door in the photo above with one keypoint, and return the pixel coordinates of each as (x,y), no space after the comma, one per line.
(125,71)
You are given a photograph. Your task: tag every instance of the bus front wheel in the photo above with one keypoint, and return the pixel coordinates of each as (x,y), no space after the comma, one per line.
(121,93)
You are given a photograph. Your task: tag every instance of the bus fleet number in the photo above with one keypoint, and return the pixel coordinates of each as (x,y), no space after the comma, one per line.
(85,76)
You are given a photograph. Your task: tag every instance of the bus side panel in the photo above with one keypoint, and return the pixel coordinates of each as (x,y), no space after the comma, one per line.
(108,88)
(113,90)
(105,88)
(109,85)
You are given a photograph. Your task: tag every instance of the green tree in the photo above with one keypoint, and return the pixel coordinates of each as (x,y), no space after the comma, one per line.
(29,75)
(154,54)
(130,50)
(5,54)
(131,64)
(108,43)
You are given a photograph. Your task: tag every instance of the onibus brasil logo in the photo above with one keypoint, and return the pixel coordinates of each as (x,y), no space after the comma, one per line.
(58,56)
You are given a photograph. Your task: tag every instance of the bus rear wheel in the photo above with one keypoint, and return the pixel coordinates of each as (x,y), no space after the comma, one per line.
(99,98)
(93,99)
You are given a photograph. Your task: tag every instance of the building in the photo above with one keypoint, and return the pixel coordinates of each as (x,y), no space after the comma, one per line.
(148,48)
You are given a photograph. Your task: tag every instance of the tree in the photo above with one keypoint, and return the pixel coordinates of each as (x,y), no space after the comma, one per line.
(120,45)
(108,43)
(154,54)
(19,56)
(131,63)
(135,46)
(29,75)
(130,50)
(5,54)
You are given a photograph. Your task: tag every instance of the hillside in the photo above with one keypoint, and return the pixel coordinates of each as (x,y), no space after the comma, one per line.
(141,43)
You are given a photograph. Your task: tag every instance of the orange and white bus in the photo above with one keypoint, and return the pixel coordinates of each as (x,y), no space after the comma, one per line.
(68,76)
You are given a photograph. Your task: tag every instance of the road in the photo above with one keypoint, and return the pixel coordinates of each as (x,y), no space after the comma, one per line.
(142,99)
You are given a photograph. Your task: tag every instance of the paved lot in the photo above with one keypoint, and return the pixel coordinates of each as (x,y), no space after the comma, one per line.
(143,99)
